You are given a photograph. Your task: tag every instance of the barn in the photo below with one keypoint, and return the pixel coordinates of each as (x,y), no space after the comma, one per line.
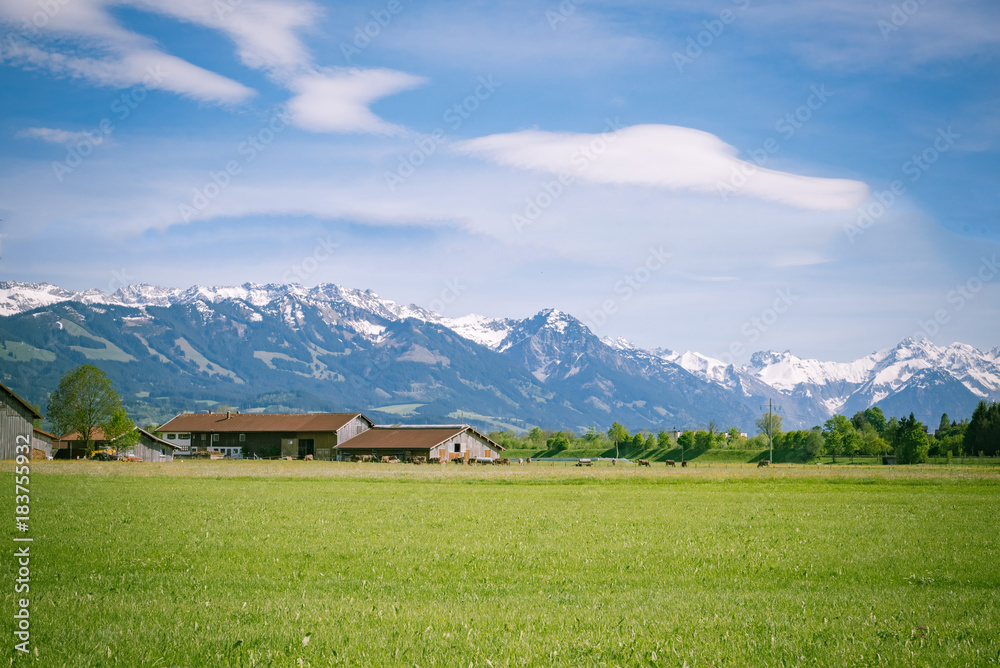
(240,435)
(41,447)
(440,443)
(16,424)
(151,448)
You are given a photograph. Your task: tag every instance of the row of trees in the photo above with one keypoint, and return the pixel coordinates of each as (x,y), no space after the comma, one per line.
(867,432)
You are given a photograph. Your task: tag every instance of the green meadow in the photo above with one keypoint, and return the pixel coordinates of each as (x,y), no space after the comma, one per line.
(327,564)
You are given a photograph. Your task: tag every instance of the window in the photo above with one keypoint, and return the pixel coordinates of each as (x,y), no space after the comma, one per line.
(185,437)
(203,437)
(171,437)
(215,438)
(243,438)
(458,447)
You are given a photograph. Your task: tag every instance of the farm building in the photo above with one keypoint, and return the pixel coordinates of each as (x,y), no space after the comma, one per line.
(150,448)
(436,443)
(239,435)
(41,447)
(16,426)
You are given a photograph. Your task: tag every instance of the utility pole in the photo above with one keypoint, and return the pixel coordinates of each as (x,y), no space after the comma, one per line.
(770,429)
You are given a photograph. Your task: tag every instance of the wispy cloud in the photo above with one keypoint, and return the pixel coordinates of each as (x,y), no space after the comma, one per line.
(57,136)
(662,156)
(339,100)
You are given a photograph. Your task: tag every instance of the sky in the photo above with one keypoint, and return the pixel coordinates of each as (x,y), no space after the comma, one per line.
(724,176)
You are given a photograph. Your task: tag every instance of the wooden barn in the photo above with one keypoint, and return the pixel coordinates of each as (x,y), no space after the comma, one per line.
(151,448)
(245,435)
(42,446)
(436,443)
(16,423)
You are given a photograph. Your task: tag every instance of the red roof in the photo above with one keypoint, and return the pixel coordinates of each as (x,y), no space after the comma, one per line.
(409,438)
(256,422)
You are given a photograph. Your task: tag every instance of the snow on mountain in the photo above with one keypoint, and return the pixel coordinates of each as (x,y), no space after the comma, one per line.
(553,342)
(784,371)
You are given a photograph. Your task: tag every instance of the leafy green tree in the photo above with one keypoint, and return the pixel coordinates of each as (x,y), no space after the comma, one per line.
(836,431)
(638,442)
(983,432)
(852,444)
(558,442)
(663,438)
(735,437)
(619,434)
(876,418)
(536,437)
(912,444)
(703,440)
(121,432)
(945,423)
(84,401)
(652,442)
(769,425)
(686,442)
(814,445)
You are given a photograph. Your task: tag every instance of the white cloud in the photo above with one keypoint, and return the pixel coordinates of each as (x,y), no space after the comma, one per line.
(57,136)
(82,40)
(338,100)
(662,156)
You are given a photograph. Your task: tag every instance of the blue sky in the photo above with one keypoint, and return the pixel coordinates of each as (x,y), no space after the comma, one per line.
(715,176)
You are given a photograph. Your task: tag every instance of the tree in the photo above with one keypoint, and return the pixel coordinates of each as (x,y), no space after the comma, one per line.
(618,433)
(121,432)
(663,438)
(815,444)
(836,430)
(83,402)
(769,424)
(735,439)
(945,423)
(536,437)
(558,442)
(686,442)
(876,418)
(652,442)
(912,444)
(983,432)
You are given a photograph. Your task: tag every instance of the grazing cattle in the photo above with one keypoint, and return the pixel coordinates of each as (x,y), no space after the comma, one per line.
(457,460)
(520,460)
(684,465)
(366,458)
(384,459)
(308,458)
(643,462)
(529,460)
(503,461)
(288,459)
(671,462)
(394,460)
(764,462)
(419,459)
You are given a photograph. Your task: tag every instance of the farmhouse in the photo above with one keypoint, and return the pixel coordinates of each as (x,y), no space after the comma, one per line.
(16,426)
(150,447)
(239,435)
(436,443)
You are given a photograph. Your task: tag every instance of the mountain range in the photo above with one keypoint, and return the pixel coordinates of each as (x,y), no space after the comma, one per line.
(291,348)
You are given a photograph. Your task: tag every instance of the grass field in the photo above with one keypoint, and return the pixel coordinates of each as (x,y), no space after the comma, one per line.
(314,563)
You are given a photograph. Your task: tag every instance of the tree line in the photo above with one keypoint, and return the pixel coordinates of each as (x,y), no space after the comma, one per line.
(867,433)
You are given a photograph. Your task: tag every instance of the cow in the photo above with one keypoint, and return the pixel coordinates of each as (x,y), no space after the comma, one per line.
(671,462)
(384,459)
(503,461)
(419,459)
(366,458)
(764,462)
(643,462)
(308,458)
(684,465)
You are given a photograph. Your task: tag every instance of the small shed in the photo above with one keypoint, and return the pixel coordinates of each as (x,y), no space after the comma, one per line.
(440,443)
(42,444)
(16,423)
(152,448)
